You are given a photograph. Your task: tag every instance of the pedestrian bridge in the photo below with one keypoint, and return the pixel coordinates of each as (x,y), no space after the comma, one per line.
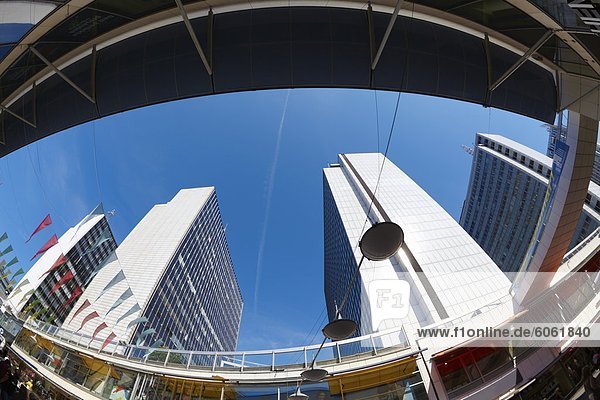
(390,363)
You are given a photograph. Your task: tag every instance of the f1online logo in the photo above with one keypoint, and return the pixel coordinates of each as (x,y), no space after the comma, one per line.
(389,300)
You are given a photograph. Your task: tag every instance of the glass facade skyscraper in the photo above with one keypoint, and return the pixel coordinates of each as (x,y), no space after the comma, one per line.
(84,247)
(198,290)
(171,282)
(437,263)
(504,200)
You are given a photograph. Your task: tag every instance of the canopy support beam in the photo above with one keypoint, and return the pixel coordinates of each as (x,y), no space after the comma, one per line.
(17,116)
(523,59)
(61,74)
(592,90)
(193,36)
(386,35)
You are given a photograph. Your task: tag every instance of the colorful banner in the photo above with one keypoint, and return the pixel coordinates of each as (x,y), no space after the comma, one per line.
(26,295)
(12,262)
(46,222)
(20,285)
(138,320)
(105,236)
(31,305)
(59,261)
(143,335)
(51,242)
(3,237)
(85,305)
(110,258)
(99,329)
(37,314)
(87,319)
(96,211)
(108,339)
(127,294)
(19,272)
(135,308)
(6,250)
(118,278)
(66,278)
(76,293)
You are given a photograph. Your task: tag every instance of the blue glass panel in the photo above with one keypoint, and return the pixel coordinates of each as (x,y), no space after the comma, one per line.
(10,33)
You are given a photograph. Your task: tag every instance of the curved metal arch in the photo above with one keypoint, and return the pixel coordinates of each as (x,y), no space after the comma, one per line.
(279,47)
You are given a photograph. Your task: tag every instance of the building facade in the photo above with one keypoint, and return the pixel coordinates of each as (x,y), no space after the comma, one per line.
(506,193)
(433,271)
(170,284)
(555,134)
(50,288)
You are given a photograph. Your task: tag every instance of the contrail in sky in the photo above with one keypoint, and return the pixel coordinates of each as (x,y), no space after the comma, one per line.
(270,186)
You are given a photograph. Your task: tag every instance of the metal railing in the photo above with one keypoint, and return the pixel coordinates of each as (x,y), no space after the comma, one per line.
(367,346)
(581,245)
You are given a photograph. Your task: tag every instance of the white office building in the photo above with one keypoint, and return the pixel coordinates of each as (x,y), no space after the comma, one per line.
(446,272)
(170,283)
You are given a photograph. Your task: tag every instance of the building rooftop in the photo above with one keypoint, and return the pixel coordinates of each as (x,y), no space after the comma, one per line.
(527,151)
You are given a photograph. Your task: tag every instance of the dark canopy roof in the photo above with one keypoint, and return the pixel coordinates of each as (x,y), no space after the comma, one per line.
(276,47)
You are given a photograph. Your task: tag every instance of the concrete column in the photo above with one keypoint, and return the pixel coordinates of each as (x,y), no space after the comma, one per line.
(556,231)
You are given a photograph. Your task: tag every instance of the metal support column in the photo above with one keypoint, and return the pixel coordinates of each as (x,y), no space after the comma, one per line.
(387,34)
(193,36)
(523,59)
(17,116)
(61,74)
(488,59)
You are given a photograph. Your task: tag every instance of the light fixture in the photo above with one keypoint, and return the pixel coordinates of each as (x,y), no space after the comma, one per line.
(381,241)
(298,395)
(314,374)
(339,329)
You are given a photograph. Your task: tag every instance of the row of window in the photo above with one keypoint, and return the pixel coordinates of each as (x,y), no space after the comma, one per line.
(522,159)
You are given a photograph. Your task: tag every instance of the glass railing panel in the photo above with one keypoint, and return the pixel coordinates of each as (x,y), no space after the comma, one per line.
(328,355)
(391,341)
(290,359)
(178,359)
(228,361)
(356,349)
(136,354)
(258,362)
(156,357)
(202,360)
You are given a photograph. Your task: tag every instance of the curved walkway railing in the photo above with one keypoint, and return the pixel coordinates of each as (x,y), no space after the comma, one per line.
(581,245)
(295,358)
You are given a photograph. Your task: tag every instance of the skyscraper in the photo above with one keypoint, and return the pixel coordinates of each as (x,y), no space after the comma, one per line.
(170,283)
(446,273)
(50,287)
(504,200)
(554,134)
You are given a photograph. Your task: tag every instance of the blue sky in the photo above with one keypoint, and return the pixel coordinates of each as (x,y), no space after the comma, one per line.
(269,186)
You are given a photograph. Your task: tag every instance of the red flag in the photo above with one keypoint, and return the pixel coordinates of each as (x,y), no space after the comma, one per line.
(85,305)
(51,242)
(60,261)
(109,339)
(88,319)
(76,293)
(98,329)
(47,221)
(68,276)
